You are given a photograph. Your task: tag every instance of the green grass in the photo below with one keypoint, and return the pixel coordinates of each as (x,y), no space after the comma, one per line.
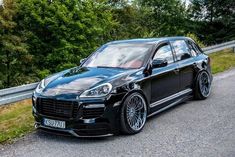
(15,120)
(223,60)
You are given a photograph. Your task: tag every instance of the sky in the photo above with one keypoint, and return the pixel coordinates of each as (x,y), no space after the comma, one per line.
(1,2)
(187,1)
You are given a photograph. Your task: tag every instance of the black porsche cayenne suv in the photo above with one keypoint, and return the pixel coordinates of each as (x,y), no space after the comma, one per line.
(117,87)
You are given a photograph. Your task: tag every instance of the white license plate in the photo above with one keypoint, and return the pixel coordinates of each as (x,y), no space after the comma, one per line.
(54,123)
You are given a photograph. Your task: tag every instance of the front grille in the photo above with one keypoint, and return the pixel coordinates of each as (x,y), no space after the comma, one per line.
(88,113)
(58,108)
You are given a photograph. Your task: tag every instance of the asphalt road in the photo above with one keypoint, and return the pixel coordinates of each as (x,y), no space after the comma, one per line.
(196,128)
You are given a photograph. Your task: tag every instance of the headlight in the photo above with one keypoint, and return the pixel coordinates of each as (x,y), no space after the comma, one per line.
(40,86)
(99,91)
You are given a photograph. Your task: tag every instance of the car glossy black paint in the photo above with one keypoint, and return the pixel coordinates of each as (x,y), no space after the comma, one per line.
(155,84)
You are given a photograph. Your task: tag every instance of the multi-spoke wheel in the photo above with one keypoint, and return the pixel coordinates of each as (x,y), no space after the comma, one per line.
(133,114)
(203,86)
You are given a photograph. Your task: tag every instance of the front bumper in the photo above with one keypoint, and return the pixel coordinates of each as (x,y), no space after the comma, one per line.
(67,131)
(106,124)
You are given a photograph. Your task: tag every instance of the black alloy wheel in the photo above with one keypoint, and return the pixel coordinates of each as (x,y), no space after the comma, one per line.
(203,86)
(133,114)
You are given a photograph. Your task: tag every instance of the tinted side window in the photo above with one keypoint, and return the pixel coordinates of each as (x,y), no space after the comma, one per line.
(164,52)
(181,49)
(195,47)
(192,48)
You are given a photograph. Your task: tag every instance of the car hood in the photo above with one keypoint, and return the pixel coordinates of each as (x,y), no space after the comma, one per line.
(74,81)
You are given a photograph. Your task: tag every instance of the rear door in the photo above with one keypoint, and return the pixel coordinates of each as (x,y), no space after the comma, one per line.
(185,63)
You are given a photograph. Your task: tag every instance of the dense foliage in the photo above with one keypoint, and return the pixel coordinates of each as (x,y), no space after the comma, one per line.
(39,37)
(214,20)
(14,57)
(64,31)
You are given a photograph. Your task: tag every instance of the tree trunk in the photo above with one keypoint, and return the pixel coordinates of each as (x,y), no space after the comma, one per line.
(8,70)
(212,11)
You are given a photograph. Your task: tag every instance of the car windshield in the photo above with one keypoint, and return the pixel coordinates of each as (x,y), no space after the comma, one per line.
(127,56)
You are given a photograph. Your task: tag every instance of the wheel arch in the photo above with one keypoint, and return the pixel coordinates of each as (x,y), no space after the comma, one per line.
(136,91)
(124,126)
(197,75)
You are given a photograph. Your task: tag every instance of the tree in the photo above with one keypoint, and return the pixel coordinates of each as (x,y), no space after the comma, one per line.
(13,49)
(169,17)
(130,18)
(64,31)
(215,20)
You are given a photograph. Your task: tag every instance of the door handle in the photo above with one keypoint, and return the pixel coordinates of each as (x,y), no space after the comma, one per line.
(177,70)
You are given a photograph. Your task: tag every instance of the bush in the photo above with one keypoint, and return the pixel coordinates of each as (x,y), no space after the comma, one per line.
(196,39)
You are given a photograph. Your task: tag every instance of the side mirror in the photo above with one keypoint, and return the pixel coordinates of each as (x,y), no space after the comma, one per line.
(82,60)
(158,63)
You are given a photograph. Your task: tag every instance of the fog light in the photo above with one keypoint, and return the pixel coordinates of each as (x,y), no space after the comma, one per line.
(117,103)
(89,121)
(94,106)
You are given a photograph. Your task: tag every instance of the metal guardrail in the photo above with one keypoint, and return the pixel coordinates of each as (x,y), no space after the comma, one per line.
(219,47)
(14,94)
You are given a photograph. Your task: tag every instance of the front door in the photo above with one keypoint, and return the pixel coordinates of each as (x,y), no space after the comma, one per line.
(164,80)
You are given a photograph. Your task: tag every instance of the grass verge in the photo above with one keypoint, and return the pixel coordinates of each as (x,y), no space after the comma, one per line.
(223,60)
(16,119)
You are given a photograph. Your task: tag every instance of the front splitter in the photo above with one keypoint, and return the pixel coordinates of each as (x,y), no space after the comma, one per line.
(73,133)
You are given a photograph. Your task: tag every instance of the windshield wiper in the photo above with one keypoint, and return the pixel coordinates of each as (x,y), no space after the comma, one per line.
(104,67)
(110,67)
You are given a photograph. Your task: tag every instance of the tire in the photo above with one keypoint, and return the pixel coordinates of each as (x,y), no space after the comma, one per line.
(133,114)
(203,86)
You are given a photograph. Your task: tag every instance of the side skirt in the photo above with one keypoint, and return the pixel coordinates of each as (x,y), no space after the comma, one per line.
(171,105)
(174,96)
